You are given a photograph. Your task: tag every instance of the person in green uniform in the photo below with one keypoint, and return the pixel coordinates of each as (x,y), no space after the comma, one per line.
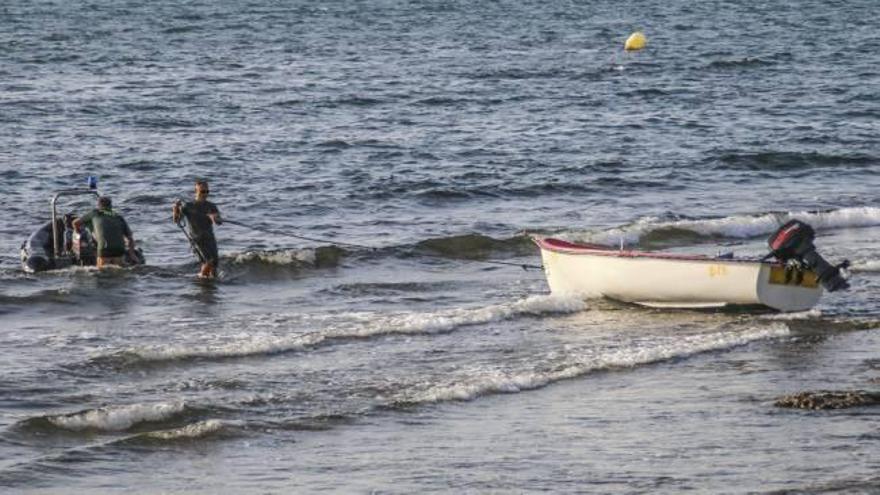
(201,215)
(110,231)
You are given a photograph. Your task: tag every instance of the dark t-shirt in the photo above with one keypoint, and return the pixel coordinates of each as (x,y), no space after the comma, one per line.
(196,213)
(109,231)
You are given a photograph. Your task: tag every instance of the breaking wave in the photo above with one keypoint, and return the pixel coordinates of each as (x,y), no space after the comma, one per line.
(354,326)
(654,231)
(255,346)
(271,260)
(201,430)
(812,314)
(111,418)
(495,382)
(866,266)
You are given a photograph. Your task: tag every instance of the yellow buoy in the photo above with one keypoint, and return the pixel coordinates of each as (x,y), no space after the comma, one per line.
(636,41)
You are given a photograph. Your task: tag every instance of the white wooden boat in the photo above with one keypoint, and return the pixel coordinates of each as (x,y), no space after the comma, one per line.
(673,280)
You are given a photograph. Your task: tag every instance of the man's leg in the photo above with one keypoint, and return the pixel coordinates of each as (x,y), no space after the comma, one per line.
(207,270)
(103,261)
(208,247)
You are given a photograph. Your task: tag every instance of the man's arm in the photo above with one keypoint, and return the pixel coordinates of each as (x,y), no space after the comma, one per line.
(214,215)
(176,211)
(77,223)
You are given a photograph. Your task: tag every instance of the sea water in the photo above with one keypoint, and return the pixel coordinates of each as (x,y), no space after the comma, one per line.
(433,136)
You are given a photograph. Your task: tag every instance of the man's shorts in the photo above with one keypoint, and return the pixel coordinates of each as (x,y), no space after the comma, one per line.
(111,252)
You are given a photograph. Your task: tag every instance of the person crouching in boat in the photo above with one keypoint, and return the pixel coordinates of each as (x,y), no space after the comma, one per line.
(110,232)
(201,215)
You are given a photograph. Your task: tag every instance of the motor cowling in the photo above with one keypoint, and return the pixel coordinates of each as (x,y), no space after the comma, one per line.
(793,242)
(82,246)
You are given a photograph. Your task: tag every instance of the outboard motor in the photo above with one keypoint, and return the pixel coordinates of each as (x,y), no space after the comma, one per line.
(793,242)
(36,251)
(82,246)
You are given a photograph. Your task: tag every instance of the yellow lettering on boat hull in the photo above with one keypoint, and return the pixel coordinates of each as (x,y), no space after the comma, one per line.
(717,271)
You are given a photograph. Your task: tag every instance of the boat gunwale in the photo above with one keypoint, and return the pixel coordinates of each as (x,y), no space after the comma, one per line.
(566,247)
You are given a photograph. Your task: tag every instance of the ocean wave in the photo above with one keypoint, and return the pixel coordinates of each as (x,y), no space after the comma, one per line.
(57,460)
(654,231)
(810,326)
(165,123)
(351,326)
(353,101)
(274,263)
(866,266)
(829,399)
(813,314)
(11,175)
(495,382)
(320,422)
(56,296)
(742,63)
(288,103)
(201,430)
(388,288)
(442,321)
(334,144)
(646,93)
(477,246)
(182,29)
(433,101)
(112,418)
(264,345)
(789,160)
(141,165)
(149,200)
(320,257)
(520,74)
(461,188)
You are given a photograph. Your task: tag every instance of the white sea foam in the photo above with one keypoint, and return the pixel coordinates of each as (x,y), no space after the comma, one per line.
(252,345)
(117,418)
(363,325)
(737,226)
(638,353)
(195,430)
(77,269)
(440,321)
(866,266)
(812,314)
(280,257)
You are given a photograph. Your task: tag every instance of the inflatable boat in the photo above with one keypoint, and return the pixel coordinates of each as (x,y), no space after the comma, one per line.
(56,245)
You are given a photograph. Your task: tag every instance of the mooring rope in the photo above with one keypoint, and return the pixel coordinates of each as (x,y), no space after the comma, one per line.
(524,266)
(296,236)
(192,243)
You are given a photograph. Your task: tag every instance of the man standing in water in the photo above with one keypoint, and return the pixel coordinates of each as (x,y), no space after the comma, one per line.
(110,231)
(201,215)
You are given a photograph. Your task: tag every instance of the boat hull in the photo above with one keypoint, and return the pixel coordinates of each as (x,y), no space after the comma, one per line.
(674,281)
(37,253)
